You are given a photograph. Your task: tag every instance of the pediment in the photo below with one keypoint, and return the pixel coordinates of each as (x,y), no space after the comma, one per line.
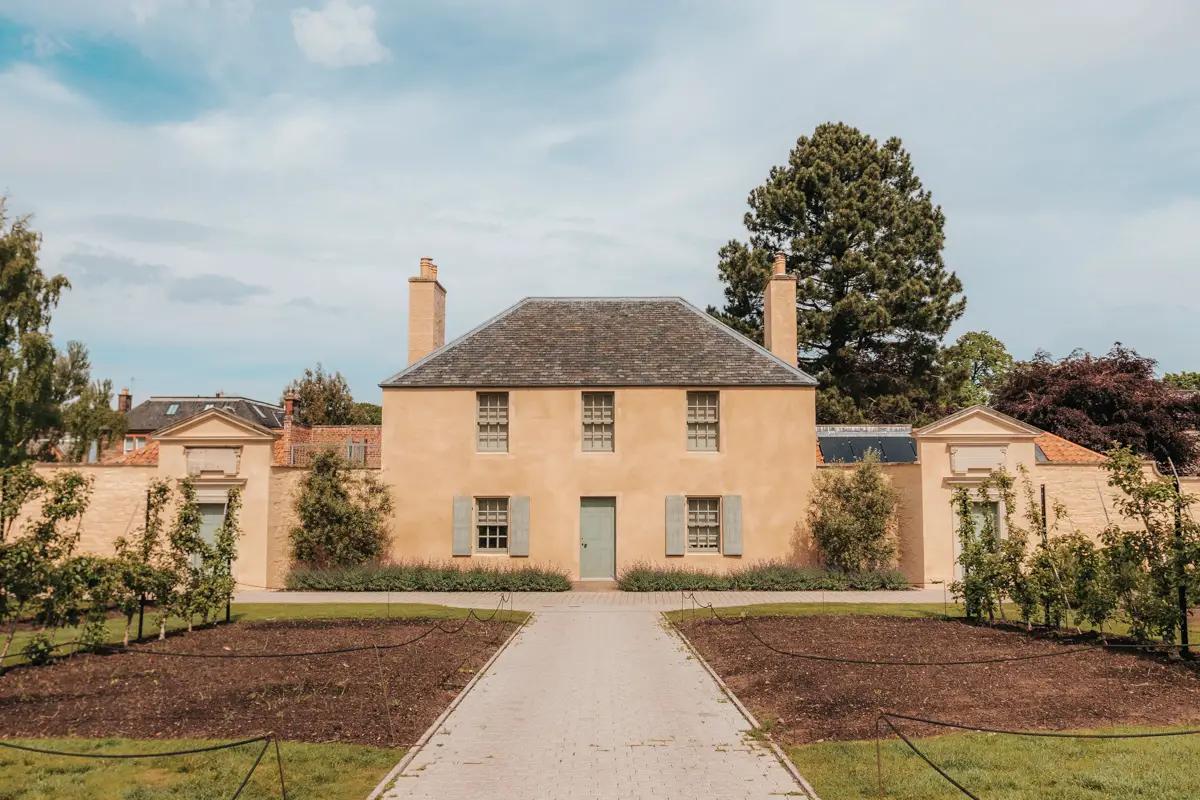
(978,422)
(217,425)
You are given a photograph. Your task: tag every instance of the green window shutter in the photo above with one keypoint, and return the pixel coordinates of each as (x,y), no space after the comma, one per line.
(462,526)
(731,524)
(676,524)
(518,526)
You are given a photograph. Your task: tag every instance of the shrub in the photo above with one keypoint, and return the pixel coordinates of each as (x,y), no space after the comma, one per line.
(343,519)
(762,576)
(428,576)
(852,515)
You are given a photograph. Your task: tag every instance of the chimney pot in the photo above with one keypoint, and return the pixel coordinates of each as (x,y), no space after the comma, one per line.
(428,270)
(289,405)
(780,265)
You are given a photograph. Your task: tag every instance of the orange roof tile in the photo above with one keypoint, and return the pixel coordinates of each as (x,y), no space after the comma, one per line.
(147,454)
(1061,451)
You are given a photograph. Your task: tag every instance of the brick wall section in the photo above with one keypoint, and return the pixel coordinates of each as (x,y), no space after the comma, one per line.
(333,435)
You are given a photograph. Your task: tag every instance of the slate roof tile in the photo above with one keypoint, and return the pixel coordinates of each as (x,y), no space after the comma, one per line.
(661,341)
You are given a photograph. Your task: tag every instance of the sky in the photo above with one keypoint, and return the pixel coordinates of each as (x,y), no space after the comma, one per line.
(238,189)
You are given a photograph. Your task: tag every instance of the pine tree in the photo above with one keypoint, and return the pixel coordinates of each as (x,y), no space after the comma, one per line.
(874,297)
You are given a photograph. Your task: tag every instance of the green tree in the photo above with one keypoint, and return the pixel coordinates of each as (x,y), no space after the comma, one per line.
(140,558)
(982,361)
(368,414)
(852,516)
(342,518)
(991,558)
(324,398)
(1182,380)
(874,298)
(33,379)
(90,418)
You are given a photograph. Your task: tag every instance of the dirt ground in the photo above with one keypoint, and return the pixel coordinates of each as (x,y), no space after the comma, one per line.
(328,698)
(810,701)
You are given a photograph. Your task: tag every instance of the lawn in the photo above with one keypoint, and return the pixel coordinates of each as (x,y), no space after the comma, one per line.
(270,611)
(312,771)
(948,609)
(1009,767)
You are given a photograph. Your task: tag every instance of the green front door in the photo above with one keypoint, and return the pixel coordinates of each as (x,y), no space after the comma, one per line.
(597,537)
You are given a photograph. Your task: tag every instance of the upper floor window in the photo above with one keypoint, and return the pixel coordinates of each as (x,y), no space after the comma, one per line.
(171,409)
(134,443)
(598,421)
(702,420)
(491,422)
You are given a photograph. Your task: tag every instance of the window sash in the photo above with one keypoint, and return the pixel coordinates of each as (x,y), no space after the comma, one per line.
(703,421)
(491,422)
(598,423)
(704,524)
(491,524)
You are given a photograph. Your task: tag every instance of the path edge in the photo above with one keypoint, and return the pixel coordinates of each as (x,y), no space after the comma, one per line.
(781,756)
(412,753)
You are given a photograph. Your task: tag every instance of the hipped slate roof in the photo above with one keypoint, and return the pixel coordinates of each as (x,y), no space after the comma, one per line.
(658,341)
(151,415)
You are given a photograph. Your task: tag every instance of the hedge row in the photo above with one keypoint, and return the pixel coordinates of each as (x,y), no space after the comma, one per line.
(429,577)
(764,576)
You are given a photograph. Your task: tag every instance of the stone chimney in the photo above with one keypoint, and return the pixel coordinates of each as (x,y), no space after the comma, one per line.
(124,401)
(779,312)
(426,312)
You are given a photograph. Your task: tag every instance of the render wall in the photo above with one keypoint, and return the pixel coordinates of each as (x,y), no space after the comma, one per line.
(117,507)
(429,457)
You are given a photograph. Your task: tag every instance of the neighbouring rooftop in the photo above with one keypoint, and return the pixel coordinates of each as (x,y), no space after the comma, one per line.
(159,412)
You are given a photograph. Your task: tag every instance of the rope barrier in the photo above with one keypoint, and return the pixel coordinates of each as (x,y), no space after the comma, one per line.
(922,756)
(744,621)
(266,739)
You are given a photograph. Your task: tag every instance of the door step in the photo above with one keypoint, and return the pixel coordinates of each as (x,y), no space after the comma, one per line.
(594,586)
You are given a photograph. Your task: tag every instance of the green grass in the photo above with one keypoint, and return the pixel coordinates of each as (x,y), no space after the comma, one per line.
(952,610)
(312,771)
(245,612)
(1009,767)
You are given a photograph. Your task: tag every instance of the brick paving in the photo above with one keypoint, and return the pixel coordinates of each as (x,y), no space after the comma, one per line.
(594,704)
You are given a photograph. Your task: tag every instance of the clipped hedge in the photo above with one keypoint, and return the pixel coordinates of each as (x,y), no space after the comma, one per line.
(763,576)
(420,576)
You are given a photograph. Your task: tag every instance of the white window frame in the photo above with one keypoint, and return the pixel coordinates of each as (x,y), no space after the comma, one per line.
(493,523)
(704,421)
(131,443)
(599,410)
(491,422)
(703,518)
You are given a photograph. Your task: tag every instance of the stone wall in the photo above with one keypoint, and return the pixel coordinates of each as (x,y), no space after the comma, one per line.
(117,507)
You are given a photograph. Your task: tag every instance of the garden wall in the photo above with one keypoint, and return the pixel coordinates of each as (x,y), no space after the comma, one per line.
(285,483)
(117,507)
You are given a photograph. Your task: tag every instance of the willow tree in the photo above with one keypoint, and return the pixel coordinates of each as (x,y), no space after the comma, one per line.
(874,297)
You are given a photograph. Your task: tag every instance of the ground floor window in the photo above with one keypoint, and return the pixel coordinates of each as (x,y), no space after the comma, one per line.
(491,524)
(704,524)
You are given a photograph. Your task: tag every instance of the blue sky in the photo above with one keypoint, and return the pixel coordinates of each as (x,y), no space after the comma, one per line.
(239,189)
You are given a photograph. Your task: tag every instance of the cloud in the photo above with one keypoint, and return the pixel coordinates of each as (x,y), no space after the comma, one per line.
(89,267)
(157,229)
(219,289)
(339,36)
(44,45)
(596,149)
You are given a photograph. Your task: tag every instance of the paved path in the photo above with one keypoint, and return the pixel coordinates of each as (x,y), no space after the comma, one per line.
(591,601)
(594,705)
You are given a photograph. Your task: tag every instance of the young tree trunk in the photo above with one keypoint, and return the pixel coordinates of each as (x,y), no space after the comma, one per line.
(7,644)
(128,625)
(162,627)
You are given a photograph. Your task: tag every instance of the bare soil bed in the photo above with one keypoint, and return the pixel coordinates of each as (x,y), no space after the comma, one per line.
(327,698)
(805,701)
